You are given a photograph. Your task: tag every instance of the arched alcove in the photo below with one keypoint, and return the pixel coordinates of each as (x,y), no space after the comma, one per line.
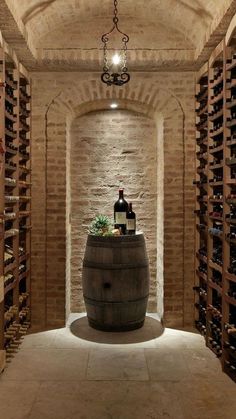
(169,116)
(108,149)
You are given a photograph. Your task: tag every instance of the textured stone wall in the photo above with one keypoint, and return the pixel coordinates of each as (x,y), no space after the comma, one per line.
(111,149)
(60,98)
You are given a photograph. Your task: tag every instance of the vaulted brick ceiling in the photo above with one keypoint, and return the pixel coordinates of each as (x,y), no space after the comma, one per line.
(65,34)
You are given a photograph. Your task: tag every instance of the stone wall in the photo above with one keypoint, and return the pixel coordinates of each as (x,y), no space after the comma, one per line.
(111,149)
(59,99)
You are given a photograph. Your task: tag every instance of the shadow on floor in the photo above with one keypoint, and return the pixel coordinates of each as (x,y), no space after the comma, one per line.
(151,329)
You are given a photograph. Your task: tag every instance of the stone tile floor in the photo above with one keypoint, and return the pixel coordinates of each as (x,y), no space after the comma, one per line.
(80,373)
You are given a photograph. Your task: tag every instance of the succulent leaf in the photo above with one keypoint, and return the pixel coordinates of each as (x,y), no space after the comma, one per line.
(101,226)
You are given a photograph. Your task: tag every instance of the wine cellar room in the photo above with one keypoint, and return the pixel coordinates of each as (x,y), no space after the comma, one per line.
(118,209)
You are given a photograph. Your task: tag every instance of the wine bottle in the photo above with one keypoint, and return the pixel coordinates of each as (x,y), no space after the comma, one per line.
(231,366)
(8,258)
(131,220)
(120,211)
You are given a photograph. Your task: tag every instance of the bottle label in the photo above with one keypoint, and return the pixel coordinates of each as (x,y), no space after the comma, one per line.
(130,224)
(120,217)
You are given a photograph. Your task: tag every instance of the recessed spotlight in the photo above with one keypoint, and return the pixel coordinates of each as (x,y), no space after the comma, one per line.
(113,105)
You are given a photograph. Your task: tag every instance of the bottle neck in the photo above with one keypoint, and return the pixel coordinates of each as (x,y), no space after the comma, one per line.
(130,207)
(121,193)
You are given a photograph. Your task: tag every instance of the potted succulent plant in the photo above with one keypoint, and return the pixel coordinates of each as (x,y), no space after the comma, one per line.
(101,226)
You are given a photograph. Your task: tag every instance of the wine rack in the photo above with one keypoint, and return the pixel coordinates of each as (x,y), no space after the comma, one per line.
(215,202)
(15,206)
(215,278)
(229,302)
(201,183)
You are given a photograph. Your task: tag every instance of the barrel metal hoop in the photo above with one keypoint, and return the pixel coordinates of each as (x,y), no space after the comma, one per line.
(101,303)
(134,238)
(120,245)
(115,266)
(118,241)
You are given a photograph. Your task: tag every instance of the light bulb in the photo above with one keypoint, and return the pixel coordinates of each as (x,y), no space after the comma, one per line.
(116,59)
(113,105)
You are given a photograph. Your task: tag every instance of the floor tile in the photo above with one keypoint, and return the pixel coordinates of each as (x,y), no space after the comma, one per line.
(166,364)
(48,364)
(117,364)
(65,339)
(118,400)
(39,340)
(202,362)
(170,340)
(67,409)
(17,398)
(206,398)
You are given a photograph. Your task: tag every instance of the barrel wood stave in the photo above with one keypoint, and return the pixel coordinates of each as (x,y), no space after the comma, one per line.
(116,282)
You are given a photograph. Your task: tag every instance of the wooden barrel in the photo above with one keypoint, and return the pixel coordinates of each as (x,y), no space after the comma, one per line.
(116,282)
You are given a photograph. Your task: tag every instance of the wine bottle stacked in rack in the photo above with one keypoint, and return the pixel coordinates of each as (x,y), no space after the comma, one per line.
(24,200)
(15,211)
(11,210)
(215,209)
(200,287)
(229,329)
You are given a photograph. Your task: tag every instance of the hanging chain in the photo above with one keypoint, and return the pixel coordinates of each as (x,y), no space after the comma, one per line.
(124,57)
(115,18)
(105,65)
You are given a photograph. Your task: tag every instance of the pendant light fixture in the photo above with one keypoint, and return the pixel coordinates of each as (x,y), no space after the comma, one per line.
(115,71)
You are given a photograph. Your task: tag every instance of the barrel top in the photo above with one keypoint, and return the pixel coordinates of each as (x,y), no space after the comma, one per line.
(115,239)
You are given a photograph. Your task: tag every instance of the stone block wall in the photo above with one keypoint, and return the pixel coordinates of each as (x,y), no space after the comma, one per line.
(110,149)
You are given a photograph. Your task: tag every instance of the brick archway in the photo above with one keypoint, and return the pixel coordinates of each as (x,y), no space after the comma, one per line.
(49,259)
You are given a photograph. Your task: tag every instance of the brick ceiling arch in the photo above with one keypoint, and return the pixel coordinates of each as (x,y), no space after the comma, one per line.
(65,34)
(188,16)
(147,98)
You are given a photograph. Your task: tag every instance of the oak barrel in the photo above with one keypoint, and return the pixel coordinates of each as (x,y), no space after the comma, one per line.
(116,282)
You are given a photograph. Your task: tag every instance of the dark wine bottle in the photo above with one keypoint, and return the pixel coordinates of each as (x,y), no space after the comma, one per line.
(120,211)
(131,220)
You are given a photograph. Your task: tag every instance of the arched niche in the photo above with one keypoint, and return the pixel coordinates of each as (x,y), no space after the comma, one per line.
(169,116)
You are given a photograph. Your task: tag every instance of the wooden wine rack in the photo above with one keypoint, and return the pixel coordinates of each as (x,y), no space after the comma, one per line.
(15,205)
(201,183)
(215,261)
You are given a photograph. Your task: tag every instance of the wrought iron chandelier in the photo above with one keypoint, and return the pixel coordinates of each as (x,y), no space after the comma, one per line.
(115,71)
